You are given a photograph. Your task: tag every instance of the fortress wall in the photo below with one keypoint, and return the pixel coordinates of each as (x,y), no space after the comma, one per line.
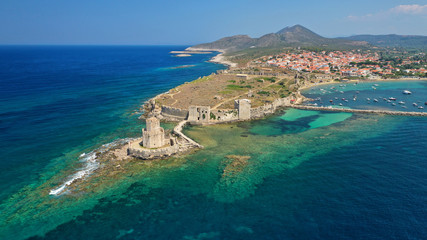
(153,153)
(224,115)
(174,112)
(262,111)
(269,108)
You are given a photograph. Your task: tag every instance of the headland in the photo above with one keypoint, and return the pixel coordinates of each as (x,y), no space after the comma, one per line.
(246,90)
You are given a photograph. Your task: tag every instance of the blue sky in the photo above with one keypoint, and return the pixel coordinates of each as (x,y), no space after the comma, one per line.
(189,21)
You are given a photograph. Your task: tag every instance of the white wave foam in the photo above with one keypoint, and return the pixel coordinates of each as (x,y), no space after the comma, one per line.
(91,164)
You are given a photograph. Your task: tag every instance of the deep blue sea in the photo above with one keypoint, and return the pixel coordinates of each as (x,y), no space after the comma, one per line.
(301,174)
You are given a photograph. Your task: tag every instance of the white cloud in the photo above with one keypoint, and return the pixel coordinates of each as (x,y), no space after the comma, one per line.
(413,9)
(409,9)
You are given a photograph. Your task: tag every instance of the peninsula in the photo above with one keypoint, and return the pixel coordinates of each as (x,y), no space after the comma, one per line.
(262,77)
(265,74)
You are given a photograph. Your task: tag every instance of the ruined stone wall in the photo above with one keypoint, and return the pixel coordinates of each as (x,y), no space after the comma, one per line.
(262,111)
(270,108)
(199,114)
(153,153)
(174,112)
(244,108)
(224,115)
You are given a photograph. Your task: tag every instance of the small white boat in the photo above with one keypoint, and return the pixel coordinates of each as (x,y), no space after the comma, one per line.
(375,100)
(368,99)
(392,98)
(393,104)
(401,102)
(407,92)
(420,107)
(340,104)
(414,104)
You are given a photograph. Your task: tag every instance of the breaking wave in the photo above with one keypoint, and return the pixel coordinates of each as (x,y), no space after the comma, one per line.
(91,163)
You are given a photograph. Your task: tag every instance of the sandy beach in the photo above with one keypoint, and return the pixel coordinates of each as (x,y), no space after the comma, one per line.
(220,58)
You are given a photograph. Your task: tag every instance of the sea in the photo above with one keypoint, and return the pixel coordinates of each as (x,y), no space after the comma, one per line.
(295,175)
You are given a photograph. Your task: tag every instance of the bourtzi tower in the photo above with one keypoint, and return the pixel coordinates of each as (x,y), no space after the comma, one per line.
(153,136)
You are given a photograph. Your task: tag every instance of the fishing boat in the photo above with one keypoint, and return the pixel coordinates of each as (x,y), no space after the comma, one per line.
(407,92)
(392,98)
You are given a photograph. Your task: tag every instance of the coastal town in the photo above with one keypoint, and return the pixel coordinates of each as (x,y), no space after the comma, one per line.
(348,63)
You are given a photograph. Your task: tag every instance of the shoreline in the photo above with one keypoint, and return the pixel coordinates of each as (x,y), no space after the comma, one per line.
(219,58)
(120,157)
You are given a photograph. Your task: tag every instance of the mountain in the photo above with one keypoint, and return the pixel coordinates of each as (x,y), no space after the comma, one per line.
(393,40)
(296,36)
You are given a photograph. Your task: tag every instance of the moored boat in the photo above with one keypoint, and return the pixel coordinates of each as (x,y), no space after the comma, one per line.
(407,92)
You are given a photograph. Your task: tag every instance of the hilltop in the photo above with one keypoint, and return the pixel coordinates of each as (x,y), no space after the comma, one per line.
(296,36)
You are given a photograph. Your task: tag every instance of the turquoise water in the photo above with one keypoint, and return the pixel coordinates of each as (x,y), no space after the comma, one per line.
(363,95)
(296,175)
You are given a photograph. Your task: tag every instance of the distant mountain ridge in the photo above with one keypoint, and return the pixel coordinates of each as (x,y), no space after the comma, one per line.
(287,37)
(299,36)
(392,40)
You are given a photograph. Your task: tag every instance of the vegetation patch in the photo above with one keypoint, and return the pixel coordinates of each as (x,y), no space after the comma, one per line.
(237,87)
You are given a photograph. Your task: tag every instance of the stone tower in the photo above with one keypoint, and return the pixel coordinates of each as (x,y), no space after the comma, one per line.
(153,136)
(244,108)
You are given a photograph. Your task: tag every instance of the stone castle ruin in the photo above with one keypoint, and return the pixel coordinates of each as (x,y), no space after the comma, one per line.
(243,107)
(204,115)
(153,136)
(155,143)
(199,114)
